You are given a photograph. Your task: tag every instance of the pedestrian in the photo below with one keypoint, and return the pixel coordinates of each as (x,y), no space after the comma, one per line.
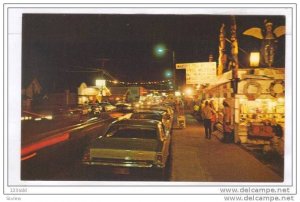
(201,106)
(214,115)
(196,109)
(207,112)
(227,126)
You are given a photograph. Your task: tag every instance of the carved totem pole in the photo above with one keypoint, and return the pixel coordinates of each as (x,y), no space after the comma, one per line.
(234,49)
(222,56)
(269,40)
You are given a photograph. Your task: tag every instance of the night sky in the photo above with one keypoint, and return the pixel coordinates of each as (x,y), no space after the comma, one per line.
(54,44)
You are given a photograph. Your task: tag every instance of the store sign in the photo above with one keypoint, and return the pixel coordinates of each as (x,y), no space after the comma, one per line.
(100,83)
(201,73)
(182,66)
(90,91)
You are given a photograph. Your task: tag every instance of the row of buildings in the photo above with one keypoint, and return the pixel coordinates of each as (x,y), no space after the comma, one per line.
(33,95)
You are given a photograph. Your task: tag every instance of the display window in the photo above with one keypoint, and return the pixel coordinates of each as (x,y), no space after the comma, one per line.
(261,110)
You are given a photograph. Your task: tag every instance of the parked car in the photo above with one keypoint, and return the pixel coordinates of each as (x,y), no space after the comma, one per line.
(167,109)
(153,115)
(106,106)
(95,109)
(169,112)
(124,107)
(130,143)
(84,109)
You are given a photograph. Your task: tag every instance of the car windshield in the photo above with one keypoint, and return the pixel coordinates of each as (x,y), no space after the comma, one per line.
(132,132)
(146,116)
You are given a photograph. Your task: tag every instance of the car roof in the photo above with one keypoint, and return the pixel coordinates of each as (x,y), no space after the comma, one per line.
(132,122)
(145,111)
(160,107)
(155,107)
(122,103)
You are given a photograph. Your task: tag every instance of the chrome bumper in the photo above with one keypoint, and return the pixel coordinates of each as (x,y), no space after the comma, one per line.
(117,163)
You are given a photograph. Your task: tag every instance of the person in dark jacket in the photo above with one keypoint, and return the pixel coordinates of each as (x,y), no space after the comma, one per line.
(207,113)
(227,125)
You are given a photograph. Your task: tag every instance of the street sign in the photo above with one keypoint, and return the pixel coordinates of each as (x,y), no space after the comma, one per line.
(200,72)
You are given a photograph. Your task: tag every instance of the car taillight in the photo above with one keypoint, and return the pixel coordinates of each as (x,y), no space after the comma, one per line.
(86,156)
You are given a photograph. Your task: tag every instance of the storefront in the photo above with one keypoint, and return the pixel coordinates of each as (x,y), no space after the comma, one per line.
(87,94)
(258,107)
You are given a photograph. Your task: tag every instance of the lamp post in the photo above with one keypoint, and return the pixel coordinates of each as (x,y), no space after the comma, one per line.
(174,69)
(160,51)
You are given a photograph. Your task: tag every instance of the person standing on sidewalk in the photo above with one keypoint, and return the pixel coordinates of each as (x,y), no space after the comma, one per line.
(227,128)
(214,115)
(207,113)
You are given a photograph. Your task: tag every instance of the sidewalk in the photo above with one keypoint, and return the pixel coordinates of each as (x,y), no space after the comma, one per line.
(195,158)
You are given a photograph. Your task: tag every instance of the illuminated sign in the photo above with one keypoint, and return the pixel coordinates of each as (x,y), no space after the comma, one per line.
(100,83)
(182,66)
(201,73)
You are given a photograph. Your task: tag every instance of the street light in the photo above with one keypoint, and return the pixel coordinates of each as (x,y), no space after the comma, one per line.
(160,50)
(168,73)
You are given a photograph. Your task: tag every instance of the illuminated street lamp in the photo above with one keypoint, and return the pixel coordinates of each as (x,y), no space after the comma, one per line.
(160,50)
(168,73)
(254,59)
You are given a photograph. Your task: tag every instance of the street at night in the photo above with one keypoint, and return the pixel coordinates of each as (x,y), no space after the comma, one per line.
(191,100)
(187,98)
(150,101)
(193,158)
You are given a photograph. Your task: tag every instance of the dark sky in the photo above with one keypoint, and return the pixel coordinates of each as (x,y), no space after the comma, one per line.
(55,43)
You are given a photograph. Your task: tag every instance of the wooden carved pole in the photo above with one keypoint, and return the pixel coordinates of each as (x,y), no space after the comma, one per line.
(268,45)
(235,79)
(234,49)
(222,56)
(268,38)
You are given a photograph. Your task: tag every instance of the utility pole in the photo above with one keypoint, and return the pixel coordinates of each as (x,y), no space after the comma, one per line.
(174,70)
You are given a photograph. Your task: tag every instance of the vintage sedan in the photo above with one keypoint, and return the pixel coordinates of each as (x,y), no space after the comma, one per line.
(94,109)
(154,115)
(167,109)
(130,144)
(106,106)
(124,107)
